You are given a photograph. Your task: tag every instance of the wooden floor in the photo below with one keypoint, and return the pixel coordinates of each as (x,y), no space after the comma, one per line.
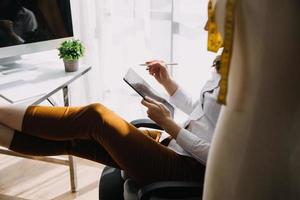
(23,179)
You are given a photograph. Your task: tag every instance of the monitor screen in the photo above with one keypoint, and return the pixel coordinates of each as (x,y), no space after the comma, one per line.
(31,21)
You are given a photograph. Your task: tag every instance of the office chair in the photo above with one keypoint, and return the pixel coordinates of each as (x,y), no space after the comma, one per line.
(114,185)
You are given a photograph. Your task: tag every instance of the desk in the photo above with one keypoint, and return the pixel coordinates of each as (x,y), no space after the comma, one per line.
(41,83)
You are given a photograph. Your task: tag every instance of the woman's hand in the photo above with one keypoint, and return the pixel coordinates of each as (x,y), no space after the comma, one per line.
(157,111)
(160,114)
(159,70)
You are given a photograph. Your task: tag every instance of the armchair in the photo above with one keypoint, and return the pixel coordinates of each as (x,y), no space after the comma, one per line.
(114,185)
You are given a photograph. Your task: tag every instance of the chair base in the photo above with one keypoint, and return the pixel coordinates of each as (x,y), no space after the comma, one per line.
(111,184)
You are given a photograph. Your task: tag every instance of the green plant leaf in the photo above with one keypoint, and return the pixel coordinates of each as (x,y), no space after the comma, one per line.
(71,50)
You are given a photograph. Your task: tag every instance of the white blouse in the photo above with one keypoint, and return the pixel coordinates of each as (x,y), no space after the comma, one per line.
(195,136)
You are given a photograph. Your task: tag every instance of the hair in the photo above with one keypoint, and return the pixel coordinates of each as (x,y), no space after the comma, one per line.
(217,63)
(218,66)
(11,12)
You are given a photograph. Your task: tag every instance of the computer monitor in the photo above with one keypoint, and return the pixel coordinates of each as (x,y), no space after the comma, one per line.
(29,26)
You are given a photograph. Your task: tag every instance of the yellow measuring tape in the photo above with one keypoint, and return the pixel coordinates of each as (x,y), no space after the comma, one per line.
(215,42)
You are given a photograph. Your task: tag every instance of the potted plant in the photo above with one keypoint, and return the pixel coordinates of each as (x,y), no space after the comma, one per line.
(70,51)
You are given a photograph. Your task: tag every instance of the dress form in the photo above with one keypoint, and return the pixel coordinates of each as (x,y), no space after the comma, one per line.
(256,150)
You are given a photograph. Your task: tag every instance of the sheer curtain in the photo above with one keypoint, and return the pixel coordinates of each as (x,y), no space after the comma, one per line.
(120,34)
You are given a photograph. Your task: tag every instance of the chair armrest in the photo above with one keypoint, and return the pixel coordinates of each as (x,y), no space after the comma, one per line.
(171,189)
(146,123)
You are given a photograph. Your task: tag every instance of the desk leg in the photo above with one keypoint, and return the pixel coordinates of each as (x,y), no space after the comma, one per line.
(72,163)
(52,101)
(73,173)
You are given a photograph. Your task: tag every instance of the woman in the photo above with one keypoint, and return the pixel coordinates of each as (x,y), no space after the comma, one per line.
(96,133)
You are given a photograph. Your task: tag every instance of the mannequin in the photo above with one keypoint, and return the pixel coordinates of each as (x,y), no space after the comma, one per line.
(256,150)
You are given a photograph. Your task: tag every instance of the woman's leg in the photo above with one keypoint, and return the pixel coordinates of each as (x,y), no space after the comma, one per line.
(34,146)
(138,154)
(55,123)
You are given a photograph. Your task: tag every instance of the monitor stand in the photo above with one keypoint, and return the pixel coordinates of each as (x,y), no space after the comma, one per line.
(13,65)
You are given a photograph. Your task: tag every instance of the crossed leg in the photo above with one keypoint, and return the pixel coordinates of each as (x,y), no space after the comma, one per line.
(87,149)
(100,135)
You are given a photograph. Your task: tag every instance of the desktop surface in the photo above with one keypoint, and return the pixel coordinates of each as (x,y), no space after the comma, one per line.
(36,82)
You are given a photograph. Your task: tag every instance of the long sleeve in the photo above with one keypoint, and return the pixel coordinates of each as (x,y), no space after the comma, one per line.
(183,101)
(194,145)
(194,140)
(197,138)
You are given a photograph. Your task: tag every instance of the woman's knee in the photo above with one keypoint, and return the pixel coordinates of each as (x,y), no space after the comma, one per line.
(102,120)
(95,112)
(88,121)
(97,115)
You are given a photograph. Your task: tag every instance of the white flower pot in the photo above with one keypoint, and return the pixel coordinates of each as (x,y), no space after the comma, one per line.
(71,65)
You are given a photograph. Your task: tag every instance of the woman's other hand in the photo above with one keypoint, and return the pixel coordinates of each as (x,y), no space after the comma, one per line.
(161,115)
(157,111)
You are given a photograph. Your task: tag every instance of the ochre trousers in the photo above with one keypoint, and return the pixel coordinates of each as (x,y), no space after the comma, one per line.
(96,133)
